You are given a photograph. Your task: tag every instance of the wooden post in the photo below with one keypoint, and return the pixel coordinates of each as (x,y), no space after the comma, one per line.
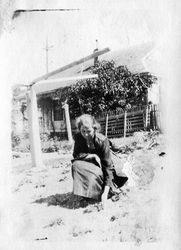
(68,124)
(146,117)
(125,122)
(151,118)
(34,134)
(106,127)
(52,121)
(155,117)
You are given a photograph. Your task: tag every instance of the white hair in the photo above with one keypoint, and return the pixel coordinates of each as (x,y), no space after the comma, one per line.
(87,119)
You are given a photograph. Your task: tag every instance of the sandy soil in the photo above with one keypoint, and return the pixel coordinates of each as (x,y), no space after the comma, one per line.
(46,210)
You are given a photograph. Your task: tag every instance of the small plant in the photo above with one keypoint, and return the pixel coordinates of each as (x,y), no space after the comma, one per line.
(49,144)
(44,137)
(20,143)
(67,147)
(15,140)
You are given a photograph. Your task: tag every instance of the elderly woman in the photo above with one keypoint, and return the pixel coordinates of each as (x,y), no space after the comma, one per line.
(92,169)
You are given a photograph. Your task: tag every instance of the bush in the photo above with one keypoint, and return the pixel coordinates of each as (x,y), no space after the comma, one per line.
(66,146)
(15,140)
(44,137)
(49,144)
(55,144)
(21,143)
(115,87)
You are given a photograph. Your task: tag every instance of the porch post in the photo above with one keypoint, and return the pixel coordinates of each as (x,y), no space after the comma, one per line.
(106,127)
(146,117)
(68,124)
(34,133)
(125,123)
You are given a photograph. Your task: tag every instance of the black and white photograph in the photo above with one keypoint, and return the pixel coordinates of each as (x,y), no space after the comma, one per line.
(90,128)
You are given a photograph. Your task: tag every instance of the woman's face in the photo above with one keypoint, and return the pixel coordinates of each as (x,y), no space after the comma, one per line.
(87,131)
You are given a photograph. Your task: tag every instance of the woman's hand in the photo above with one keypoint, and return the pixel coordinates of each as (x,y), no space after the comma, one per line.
(104,196)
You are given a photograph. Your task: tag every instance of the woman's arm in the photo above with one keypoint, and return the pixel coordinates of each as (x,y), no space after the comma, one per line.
(106,162)
(94,157)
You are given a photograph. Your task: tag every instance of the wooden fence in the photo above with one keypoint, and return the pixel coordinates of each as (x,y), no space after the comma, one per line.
(120,123)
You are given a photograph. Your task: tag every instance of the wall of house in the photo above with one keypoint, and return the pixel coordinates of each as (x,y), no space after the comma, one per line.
(153,94)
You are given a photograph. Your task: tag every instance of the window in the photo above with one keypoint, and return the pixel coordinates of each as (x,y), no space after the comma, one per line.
(58,110)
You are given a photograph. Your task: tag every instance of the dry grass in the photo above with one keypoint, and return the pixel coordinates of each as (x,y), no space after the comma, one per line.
(48,209)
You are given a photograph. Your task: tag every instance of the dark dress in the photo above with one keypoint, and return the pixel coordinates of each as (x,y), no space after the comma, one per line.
(89,178)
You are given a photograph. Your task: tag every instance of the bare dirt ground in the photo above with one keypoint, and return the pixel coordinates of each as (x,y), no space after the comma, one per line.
(46,210)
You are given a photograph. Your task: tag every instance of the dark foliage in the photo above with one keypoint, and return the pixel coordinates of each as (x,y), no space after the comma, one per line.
(115,87)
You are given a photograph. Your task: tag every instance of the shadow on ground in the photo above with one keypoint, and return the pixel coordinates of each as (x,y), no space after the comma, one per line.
(67,200)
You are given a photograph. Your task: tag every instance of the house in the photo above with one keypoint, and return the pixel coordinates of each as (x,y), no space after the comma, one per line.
(50,103)
(52,119)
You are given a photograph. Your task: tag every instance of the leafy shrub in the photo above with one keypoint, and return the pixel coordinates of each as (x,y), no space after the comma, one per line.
(115,87)
(21,143)
(66,146)
(49,144)
(15,140)
(44,137)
